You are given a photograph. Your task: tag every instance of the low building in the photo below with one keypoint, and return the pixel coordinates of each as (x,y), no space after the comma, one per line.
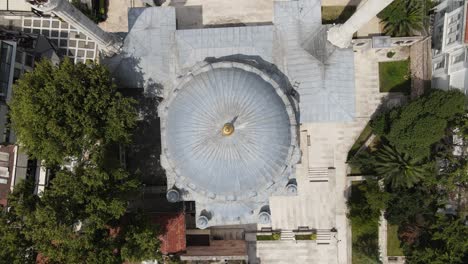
(450,46)
(19,51)
(15,166)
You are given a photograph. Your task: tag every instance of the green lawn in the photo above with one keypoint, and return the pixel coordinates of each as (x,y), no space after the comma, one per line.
(336,14)
(393,243)
(395,76)
(365,232)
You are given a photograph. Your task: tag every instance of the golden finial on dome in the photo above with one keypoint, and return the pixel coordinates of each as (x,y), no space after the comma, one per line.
(228,129)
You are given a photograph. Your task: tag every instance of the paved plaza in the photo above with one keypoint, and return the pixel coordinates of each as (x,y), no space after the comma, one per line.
(323,204)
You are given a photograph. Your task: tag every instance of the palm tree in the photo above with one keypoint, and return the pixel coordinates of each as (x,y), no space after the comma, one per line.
(403,17)
(398,169)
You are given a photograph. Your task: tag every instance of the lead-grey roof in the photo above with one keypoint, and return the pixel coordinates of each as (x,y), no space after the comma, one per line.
(147,56)
(323,76)
(195,45)
(249,160)
(296,43)
(239,171)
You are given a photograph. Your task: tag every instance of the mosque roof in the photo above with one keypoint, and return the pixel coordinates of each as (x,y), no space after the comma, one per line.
(229,135)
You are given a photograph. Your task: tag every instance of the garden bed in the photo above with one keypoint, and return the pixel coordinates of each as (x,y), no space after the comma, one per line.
(274,236)
(306,237)
(395,76)
(364,230)
(393,243)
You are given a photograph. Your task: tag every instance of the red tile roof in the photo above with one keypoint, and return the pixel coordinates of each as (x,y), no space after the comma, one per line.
(173,231)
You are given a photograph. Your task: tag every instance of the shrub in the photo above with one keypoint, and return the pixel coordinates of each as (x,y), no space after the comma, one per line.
(306,237)
(274,236)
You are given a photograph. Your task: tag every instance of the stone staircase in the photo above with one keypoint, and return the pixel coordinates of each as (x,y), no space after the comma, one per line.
(287,235)
(318,174)
(323,236)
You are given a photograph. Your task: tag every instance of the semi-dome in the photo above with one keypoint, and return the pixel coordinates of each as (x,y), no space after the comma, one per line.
(229,134)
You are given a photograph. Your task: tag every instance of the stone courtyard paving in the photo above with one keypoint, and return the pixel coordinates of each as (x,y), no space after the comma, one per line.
(323,204)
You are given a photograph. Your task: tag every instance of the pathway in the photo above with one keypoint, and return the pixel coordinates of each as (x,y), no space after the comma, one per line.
(421,67)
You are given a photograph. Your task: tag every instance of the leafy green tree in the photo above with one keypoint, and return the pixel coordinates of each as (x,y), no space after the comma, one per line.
(404,18)
(140,242)
(364,213)
(81,218)
(91,198)
(413,206)
(15,247)
(416,127)
(69,110)
(447,242)
(398,169)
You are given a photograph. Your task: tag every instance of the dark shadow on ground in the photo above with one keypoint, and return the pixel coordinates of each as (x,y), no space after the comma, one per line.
(239,24)
(143,155)
(337,14)
(189,17)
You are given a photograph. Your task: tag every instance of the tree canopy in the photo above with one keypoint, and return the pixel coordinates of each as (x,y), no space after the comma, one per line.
(16,247)
(404,18)
(416,127)
(67,110)
(83,216)
(446,241)
(413,155)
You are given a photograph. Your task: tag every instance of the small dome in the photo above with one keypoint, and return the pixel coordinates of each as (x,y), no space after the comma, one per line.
(173,196)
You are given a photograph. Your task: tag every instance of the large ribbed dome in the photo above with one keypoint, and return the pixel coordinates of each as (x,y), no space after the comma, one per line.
(229,132)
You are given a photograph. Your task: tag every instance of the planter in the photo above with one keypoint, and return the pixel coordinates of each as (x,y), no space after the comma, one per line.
(306,237)
(274,236)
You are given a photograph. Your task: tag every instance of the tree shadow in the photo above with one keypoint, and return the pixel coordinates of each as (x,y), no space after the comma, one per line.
(337,14)
(143,155)
(189,17)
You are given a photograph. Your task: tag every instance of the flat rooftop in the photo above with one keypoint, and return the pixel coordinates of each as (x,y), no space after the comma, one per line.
(202,13)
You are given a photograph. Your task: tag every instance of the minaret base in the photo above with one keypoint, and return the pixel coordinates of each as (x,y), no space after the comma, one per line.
(338,38)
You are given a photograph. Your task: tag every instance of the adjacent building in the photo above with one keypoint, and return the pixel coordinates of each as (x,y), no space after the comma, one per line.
(19,51)
(450,46)
(15,166)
